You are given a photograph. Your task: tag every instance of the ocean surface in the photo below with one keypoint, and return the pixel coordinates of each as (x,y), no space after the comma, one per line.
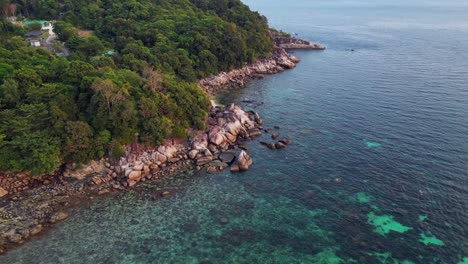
(377,172)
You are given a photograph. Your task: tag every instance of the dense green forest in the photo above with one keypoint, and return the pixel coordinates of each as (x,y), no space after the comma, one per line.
(130,78)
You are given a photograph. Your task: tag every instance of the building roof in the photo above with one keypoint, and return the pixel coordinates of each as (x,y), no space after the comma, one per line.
(33,34)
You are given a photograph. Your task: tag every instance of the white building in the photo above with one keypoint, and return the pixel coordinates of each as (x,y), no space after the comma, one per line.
(49,27)
(35,43)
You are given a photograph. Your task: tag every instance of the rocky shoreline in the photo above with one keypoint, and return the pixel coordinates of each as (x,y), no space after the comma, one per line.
(27,213)
(278,62)
(28,206)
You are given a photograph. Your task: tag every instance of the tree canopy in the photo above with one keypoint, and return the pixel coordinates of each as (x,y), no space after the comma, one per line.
(130,78)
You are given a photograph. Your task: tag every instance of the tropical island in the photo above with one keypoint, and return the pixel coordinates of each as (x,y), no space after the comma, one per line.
(98,97)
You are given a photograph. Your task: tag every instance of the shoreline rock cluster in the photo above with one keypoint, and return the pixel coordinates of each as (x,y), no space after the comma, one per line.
(27,213)
(220,146)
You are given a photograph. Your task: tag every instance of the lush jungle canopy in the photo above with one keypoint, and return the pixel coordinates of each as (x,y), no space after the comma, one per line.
(129,76)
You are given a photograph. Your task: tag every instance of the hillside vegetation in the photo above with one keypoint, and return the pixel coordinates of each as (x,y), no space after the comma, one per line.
(130,78)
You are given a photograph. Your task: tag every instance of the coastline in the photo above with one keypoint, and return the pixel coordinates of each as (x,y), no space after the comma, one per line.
(279,61)
(36,204)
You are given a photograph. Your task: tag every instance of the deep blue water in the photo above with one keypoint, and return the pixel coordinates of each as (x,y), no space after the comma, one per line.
(379,160)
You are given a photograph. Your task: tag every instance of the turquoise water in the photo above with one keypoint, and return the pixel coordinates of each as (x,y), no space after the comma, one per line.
(377,172)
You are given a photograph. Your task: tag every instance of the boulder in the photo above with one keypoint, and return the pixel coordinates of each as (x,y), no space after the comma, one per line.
(97,180)
(212,121)
(233,127)
(58,217)
(224,145)
(131,183)
(235,168)
(36,229)
(219,165)
(227,156)
(243,160)
(128,171)
(243,146)
(280,145)
(200,142)
(14,237)
(230,137)
(174,160)
(135,175)
(193,153)
(3,192)
(160,157)
(286,63)
(207,152)
(165,193)
(204,160)
(87,169)
(274,135)
(285,141)
(168,151)
(221,121)
(138,167)
(212,148)
(294,59)
(212,169)
(104,191)
(255,132)
(217,138)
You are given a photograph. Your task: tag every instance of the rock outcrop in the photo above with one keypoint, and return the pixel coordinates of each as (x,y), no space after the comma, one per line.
(219,146)
(278,62)
(288,42)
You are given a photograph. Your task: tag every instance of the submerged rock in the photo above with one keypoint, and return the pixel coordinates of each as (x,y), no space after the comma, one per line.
(279,145)
(285,141)
(235,168)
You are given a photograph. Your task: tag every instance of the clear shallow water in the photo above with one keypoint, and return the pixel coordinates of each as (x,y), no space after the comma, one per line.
(378,172)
